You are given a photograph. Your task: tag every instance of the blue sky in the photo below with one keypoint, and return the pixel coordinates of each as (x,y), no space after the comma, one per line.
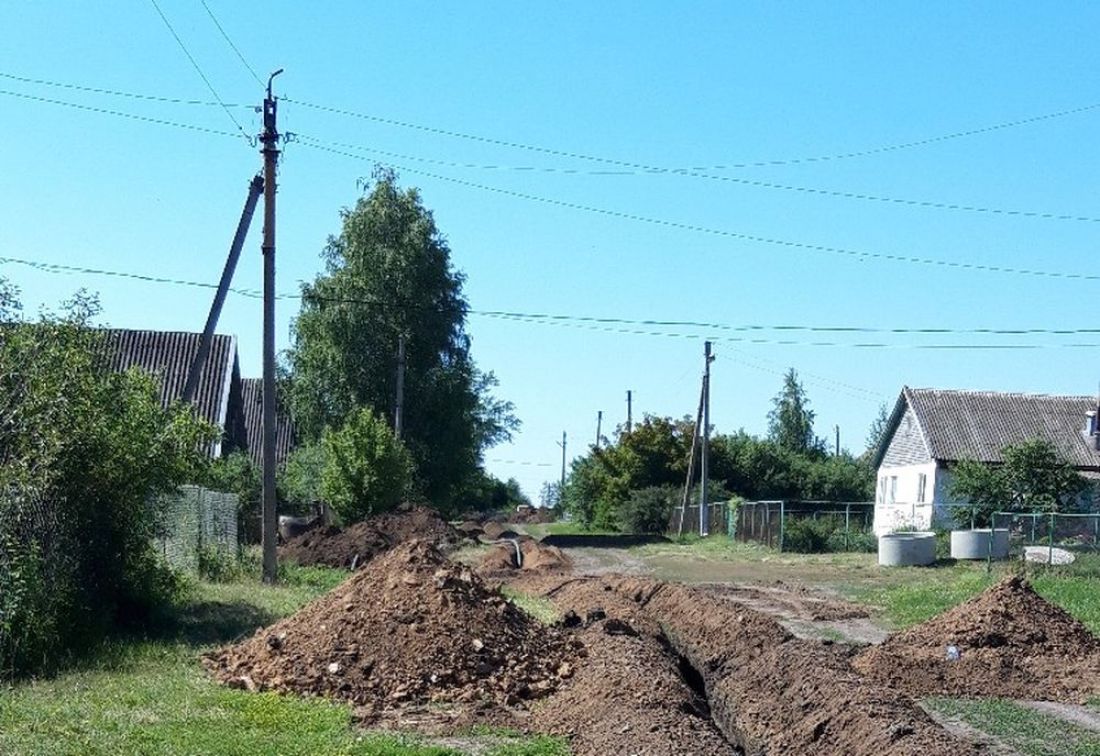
(706,85)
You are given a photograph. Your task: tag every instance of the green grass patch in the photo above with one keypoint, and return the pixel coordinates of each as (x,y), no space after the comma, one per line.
(1028,731)
(540,608)
(150,694)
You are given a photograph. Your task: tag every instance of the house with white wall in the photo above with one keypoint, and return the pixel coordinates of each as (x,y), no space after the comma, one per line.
(932,429)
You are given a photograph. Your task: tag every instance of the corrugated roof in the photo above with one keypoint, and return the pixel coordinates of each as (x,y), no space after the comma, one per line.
(252,392)
(168,355)
(979,424)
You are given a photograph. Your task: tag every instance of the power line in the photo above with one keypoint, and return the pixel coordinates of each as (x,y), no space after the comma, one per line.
(739,235)
(728,166)
(198,69)
(118,113)
(835,193)
(594,321)
(225,36)
(117,93)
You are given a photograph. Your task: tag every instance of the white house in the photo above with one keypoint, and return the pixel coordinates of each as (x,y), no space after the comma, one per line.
(931,429)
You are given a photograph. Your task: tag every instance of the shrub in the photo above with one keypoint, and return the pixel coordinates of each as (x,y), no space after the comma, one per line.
(300,479)
(82,453)
(366,470)
(236,473)
(648,510)
(806,535)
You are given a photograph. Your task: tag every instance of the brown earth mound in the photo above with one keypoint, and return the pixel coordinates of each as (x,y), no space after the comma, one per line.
(409,628)
(1011,642)
(534,556)
(354,546)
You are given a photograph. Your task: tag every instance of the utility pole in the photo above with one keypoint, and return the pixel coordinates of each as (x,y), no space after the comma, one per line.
(691,464)
(837,429)
(629,411)
(399,408)
(255,188)
(270,151)
(704,525)
(599,424)
(561,491)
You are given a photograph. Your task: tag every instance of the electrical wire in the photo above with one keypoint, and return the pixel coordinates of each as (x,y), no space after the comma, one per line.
(729,234)
(728,166)
(118,113)
(839,194)
(229,41)
(117,93)
(198,69)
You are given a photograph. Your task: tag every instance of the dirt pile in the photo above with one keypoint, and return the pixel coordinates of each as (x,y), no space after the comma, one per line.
(532,555)
(354,546)
(409,628)
(1011,642)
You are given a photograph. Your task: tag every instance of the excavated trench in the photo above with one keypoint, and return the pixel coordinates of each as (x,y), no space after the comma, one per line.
(748,678)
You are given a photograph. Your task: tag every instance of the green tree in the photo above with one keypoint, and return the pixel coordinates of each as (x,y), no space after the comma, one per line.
(878,428)
(791,421)
(1032,478)
(300,478)
(388,275)
(366,469)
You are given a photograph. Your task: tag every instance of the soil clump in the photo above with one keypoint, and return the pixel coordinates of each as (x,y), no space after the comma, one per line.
(357,544)
(533,556)
(1011,642)
(410,628)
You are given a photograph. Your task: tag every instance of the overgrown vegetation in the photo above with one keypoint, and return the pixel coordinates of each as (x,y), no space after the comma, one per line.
(366,469)
(791,463)
(82,452)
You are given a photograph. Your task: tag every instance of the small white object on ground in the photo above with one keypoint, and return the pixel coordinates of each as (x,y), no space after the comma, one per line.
(1048,555)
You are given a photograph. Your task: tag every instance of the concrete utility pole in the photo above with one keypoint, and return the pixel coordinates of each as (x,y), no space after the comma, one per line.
(691,463)
(270,151)
(255,188)
(399,407)
(629,411)
(837,429)
(704,525)
(599,425)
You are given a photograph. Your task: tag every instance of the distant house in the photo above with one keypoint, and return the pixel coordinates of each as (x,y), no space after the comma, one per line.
(931,429)
(167,355)
(252,391)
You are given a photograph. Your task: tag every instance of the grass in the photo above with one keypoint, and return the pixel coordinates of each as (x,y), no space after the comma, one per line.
(150,694)
(1027,731)
(540,608)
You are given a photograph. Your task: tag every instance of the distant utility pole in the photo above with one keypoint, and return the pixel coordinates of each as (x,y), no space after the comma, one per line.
(561,491)
(704,525)
(837,429)
(691,463)
(399,406)
(255,189)
(629,411)
(270,151)
(599,425)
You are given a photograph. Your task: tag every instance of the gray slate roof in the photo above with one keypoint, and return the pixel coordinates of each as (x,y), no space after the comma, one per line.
(252,391)
(979,424)
(168,355)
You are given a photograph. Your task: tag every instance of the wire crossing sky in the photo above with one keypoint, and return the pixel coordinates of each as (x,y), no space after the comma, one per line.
(876,196)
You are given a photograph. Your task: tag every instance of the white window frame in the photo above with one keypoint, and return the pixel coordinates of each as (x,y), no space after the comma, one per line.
(922,487)
(893,490)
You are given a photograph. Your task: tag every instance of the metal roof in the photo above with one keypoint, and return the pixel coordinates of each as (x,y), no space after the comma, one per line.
(252,392)
(979,424)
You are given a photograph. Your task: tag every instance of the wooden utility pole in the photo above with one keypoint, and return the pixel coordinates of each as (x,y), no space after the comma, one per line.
(691,465)
(561,491)
(255,188)
(704,524)
(599,425)
(837,429)
(629,411)
(399,406)
(270,140)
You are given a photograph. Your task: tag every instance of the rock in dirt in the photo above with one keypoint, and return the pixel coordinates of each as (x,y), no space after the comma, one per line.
(411,627)
(1011,642)
(359,543)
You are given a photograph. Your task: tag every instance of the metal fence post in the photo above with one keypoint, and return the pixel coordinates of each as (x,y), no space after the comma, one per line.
(782,518)
(847,522)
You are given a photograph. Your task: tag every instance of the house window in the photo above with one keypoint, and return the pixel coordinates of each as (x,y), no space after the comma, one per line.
(893,493)
(882,490)
(922,484)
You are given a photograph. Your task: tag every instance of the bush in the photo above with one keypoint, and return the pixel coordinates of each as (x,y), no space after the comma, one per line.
(648,510)
(83,452)
(300,479)
(366,470)
(806,535)
(236,473)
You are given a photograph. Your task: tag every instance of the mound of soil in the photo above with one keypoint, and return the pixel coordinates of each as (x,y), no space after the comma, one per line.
(409,628)
(1011,642)
(357,544)
(492,529)
(535,556)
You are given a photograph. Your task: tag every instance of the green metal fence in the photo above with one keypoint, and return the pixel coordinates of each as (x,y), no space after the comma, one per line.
(193,519)
(793,524)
